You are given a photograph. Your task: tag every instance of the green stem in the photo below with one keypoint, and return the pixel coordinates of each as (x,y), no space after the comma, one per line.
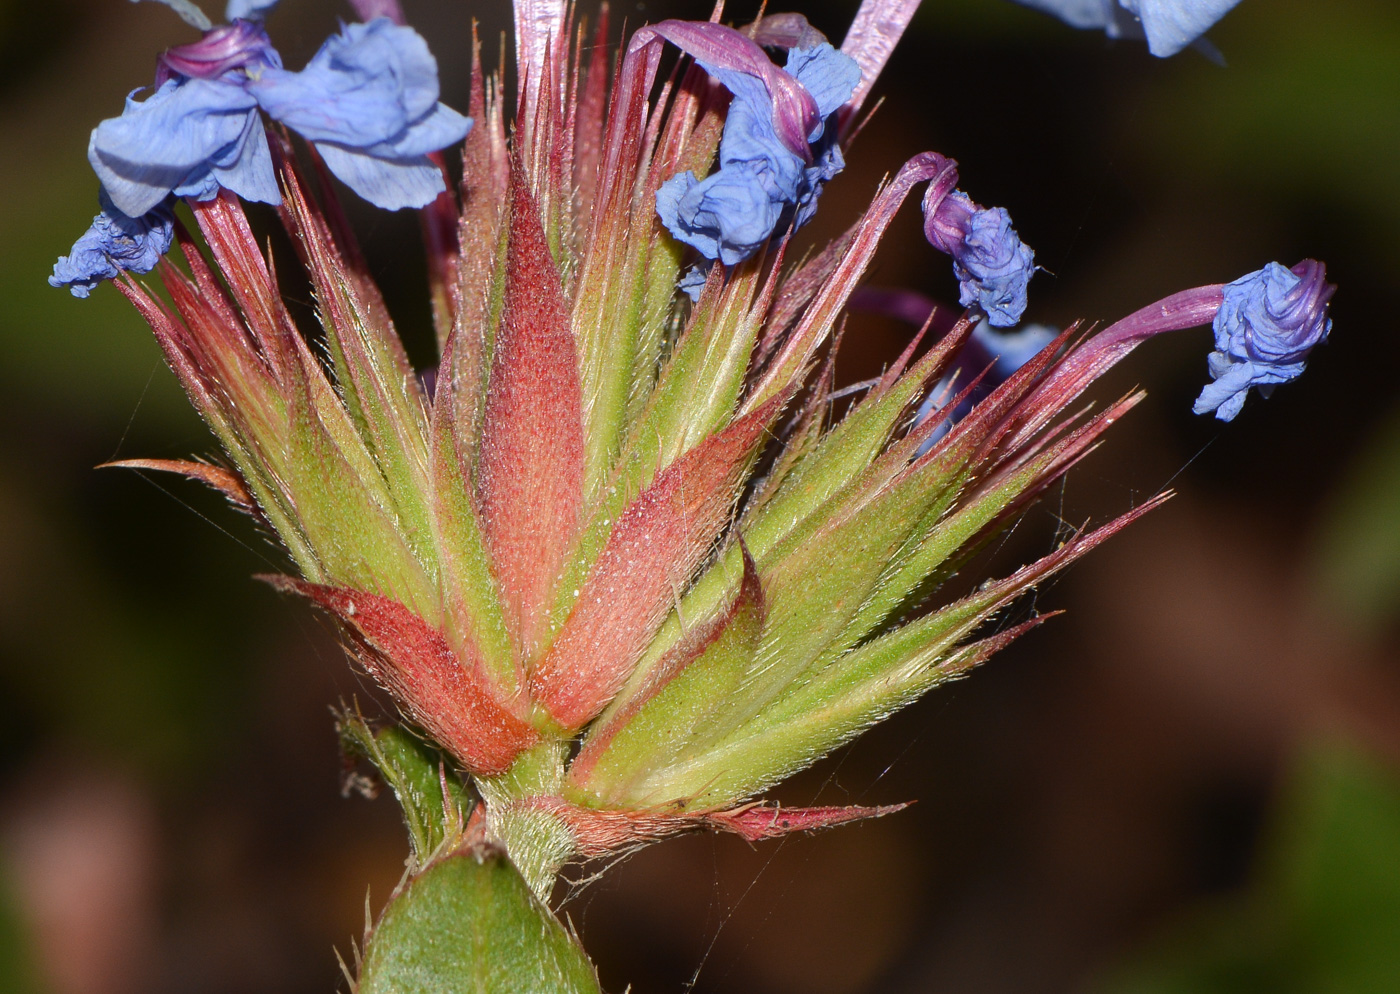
(537,842)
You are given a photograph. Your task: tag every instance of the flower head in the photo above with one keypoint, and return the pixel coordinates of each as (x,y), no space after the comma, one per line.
(1268,323)
(114,244)
(777,150)
(626,564)
(992,264)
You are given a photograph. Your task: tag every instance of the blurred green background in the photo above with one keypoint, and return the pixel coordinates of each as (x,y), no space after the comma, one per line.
(1190,783)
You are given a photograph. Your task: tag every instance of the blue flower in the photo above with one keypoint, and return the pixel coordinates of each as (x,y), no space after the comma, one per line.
(198,131)
(992,264)
(368,100)
(1168,25)
(189,137)
(1267,325)
(761,178)
(113,244)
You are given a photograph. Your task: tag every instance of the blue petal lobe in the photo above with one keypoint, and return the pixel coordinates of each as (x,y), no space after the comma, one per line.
(246,167)
(440,127)
(1171,25)
(365,85)
(369,101)
(1010,350)
(830,76)
(692,281)
(392,184)
(159,143)
(994,267)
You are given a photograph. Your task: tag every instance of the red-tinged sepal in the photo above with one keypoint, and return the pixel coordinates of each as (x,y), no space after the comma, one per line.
(757,821)
(448,696)
(651,723)
(819,715)
(599,832)
(651,556)
(531,459)
(228,482)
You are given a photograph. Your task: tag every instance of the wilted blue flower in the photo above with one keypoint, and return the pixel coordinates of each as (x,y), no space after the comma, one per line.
(1268,323)
(113,244)
(198,131)
(1168,25)
(189,137)
(368,100)
(992,264)
(761,175)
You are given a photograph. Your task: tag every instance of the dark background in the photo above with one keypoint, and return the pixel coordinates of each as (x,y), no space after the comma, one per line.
(1187,783)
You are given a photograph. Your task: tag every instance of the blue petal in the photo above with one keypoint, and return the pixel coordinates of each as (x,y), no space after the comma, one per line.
(248,10)
(366,85)
(112,244)
(1168,25)
(726,216)
(692,281)
(1171,25)
(171,137)
(392,184)
(369,101)
(1225,395)
(669,198)
(829,76)
(440,127)
(246,167)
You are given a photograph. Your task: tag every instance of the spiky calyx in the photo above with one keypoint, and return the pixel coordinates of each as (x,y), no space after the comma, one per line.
(616,520)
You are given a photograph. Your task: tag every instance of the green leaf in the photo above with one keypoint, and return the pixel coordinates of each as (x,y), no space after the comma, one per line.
(469,924)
